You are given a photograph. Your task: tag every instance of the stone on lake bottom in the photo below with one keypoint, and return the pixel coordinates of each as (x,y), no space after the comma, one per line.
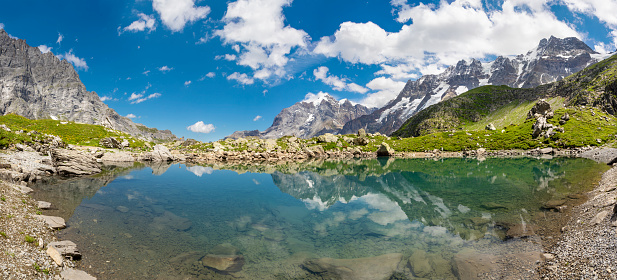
(224,263)
(44,205)
(379,267)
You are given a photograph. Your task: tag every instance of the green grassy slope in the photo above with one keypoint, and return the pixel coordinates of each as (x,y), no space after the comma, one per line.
(69,132)
(595,86)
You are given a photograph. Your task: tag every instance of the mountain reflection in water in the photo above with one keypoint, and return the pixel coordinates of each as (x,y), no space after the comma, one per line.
(360,219)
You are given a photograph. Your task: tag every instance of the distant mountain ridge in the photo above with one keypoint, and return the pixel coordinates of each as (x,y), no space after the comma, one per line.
(319,114)
(41,86)
(552,60)
(594,87)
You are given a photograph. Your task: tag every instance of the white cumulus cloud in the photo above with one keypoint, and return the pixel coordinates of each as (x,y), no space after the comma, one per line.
(385,89)
(258,117)
(339,84)
(105,98)
(257,30)
(175,14)
(241,78)
(79,63)
(201,127)
(131,116)
(145,22)
(44,48)
(444,34)
(60,38)
(187,83)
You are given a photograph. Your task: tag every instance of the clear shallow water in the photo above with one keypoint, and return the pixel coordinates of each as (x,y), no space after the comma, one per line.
(430,216)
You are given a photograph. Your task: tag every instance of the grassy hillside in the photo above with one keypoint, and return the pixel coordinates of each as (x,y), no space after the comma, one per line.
(69,132)
(595,86)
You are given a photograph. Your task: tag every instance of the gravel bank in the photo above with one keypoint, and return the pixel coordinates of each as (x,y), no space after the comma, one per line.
(23,238)
(587,248)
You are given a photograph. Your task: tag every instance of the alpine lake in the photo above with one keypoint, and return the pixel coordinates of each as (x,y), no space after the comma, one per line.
(384,218)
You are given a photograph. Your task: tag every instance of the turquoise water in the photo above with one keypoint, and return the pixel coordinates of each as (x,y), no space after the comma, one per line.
(280,222)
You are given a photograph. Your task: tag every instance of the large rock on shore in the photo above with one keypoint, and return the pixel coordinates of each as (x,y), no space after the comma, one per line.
(74,162)
(160,153)
(385,150)
(117,157)
(379,267)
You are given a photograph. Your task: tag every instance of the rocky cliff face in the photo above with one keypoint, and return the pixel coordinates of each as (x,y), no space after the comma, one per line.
(318,115)
(40,86)
(551,61)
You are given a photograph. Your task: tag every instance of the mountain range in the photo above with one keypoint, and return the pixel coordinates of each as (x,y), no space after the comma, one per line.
(316,115)
(552,60)
(38,85)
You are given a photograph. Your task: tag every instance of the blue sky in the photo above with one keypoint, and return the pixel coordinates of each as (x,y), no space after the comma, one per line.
(204,69)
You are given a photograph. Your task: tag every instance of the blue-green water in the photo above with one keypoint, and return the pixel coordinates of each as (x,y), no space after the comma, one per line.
(158,222)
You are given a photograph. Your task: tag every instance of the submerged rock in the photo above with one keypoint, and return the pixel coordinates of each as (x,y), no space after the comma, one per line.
(223,263)
(379,267)
(172,221)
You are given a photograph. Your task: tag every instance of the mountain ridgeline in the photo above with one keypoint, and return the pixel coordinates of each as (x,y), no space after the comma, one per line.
(309,118)
(594,86)
(552,60)
(40,86)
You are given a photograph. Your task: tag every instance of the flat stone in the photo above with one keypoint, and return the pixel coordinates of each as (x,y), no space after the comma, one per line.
(23,189)
(122,209)
(75,274)
(554,204)
(55,255)
(52,221)
(520,231)
(379,267)
(419,263)
(44,205)
(546,150)
(469,265)
(599,217)
(224,263)
(66,248)
(173,221)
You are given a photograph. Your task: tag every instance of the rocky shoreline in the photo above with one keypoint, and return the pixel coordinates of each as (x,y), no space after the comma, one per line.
(586,247)
(590,230)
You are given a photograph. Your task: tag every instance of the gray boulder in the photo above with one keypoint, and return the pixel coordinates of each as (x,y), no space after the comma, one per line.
(361,141)
(385,150)
(74,162)
(117,157)
(111,142)
(160,153)
(490,126)
(541,108)
(327,138)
